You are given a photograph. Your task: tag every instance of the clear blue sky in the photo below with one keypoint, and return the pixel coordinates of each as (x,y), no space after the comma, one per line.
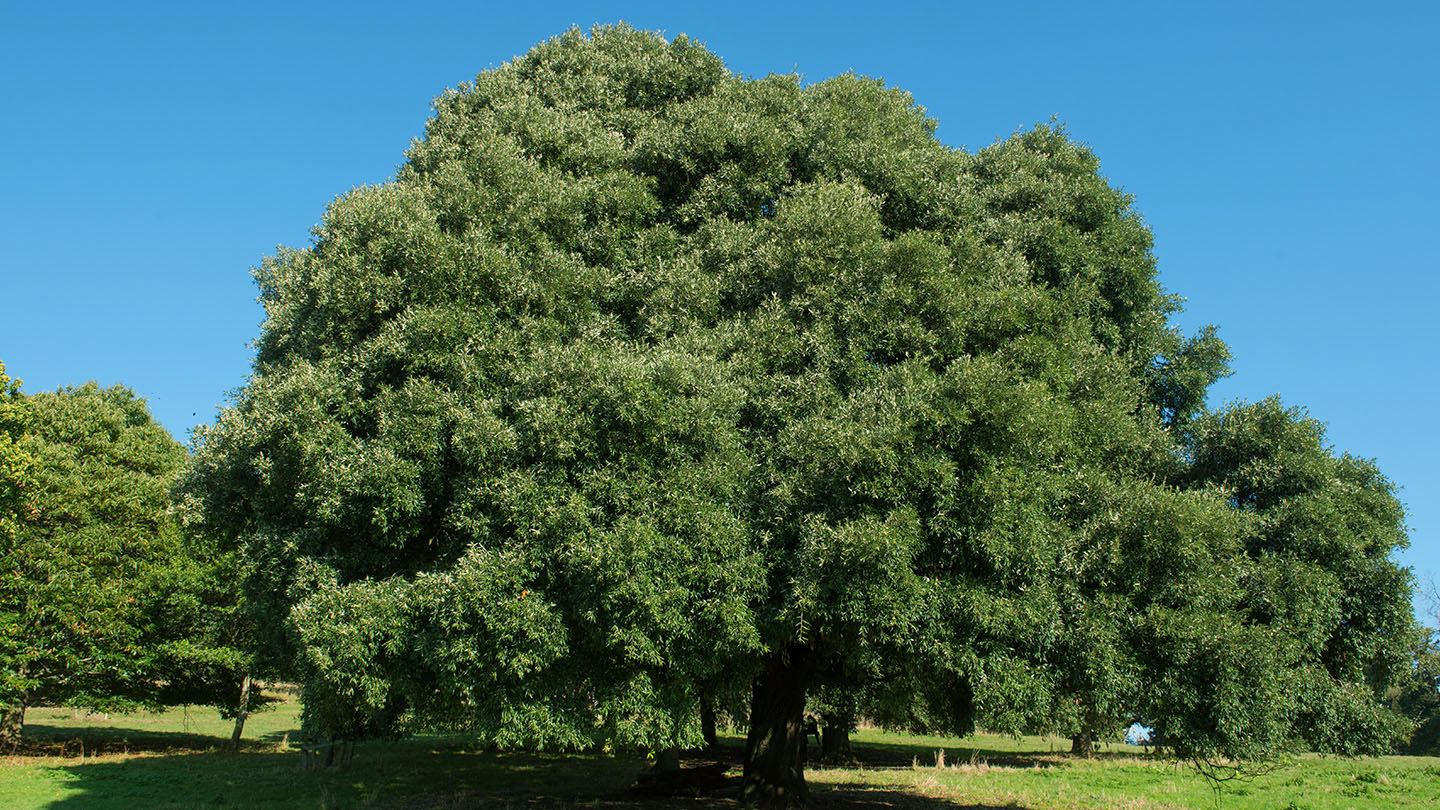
(1285,155)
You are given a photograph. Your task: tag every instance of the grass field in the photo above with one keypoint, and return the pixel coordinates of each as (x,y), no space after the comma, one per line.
(172,761)
(999,771)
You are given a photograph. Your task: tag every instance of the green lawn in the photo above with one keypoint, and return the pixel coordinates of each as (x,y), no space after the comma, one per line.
(1001,771)
(172,761)
(189,729)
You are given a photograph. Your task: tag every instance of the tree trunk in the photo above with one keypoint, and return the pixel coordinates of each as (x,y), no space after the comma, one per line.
(12,724)
(1083,744)
(12,720)
(835,738)
(322,755)
(707,724)
(242,708)
(668,760)
(327,752)
(774,749)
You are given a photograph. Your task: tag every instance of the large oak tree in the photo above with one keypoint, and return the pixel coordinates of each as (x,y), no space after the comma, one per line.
(644,382)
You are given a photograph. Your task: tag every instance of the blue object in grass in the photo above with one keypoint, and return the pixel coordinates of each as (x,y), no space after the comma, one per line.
(1138,734)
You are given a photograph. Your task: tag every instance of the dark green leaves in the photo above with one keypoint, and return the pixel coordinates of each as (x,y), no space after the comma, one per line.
(641,371)
(80,574)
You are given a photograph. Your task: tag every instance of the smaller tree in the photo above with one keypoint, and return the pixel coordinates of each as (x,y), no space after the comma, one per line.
(97,585)
(1321,589)
(1417,696)
(203,637)
(836,710)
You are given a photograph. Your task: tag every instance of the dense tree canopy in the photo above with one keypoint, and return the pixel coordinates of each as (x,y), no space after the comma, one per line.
(1319,545)
(645,382)
(1417,695)
(96,586)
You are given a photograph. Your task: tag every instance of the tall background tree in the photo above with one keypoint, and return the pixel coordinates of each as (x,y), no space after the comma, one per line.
(1417,695)
(16,480)
(102,599)
(644,380)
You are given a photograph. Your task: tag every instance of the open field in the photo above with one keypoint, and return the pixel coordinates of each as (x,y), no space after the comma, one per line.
(999,771)
(172,761)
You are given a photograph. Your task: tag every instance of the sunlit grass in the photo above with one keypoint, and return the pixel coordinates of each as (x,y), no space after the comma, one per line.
(175,760)
(1035,772)
(189,727)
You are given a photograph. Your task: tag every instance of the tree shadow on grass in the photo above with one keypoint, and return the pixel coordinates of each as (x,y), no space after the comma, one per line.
(383,774)
(854,796)
(879,756)
(416,775)
(41,739)
(712,796)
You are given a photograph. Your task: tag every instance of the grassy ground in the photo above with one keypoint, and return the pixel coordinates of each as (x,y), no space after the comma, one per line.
(1000,771)
(172,761)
